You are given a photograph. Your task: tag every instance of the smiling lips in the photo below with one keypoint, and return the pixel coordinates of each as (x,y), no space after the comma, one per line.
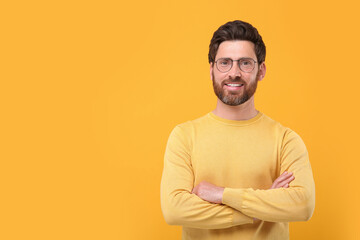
(234,86)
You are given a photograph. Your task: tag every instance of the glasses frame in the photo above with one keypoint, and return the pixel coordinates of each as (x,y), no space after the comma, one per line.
(232,64)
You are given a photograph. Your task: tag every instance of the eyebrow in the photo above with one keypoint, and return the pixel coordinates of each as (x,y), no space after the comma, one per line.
(236,59)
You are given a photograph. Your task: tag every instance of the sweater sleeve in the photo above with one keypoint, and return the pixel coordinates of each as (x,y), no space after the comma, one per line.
(178,204)
(295,203)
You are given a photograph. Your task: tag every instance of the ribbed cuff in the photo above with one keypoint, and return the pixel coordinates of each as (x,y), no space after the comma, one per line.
(233,198)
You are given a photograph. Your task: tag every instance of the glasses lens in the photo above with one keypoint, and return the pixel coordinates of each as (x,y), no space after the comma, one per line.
(224,64)
(247,65)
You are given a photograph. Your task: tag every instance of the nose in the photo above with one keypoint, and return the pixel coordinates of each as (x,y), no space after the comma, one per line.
(235,70)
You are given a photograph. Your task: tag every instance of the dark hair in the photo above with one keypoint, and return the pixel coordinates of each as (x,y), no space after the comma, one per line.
(237,30)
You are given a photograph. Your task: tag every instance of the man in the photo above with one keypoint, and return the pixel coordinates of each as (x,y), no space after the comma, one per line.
(235,173)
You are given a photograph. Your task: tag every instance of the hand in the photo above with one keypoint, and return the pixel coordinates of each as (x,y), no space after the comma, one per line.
(209,192)
(283,180)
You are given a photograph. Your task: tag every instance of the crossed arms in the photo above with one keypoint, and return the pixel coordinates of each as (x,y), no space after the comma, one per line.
(213,207)
(214,194)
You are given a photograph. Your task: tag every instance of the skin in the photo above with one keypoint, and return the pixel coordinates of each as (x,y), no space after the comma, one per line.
(236,50)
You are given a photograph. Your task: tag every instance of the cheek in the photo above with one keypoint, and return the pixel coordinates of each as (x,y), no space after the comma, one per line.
(219,77)
(250,77)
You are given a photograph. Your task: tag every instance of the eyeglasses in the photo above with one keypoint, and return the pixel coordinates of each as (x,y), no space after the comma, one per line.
(245,64)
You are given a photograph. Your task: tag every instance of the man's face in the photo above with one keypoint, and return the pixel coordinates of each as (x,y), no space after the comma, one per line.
(236,94)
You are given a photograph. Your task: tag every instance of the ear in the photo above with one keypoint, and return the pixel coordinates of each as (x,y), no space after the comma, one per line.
(262,71)
(211,71)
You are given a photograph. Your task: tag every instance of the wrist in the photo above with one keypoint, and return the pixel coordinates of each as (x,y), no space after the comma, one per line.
(220,194)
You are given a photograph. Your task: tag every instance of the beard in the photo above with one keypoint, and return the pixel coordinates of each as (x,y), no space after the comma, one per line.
(235,98)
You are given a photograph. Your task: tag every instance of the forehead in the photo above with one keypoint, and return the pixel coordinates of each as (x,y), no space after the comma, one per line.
(236,49)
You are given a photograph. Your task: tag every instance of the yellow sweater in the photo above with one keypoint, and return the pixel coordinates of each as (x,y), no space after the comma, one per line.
(245,157)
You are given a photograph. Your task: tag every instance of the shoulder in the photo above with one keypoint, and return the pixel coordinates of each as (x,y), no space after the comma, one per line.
(188,127)
(292,139)
(285,133)
(183,134)
(277,125)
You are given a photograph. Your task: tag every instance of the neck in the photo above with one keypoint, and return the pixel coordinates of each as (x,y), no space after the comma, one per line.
(244,111)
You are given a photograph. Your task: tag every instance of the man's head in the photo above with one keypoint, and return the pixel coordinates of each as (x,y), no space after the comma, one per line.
(236,56)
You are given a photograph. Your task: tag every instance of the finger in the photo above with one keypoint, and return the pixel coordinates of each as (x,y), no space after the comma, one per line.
(286,181)
(283,177)
(281,182)
(288,178)
(286,186)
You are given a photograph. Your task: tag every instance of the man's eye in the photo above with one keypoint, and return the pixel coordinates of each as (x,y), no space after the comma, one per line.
(246,62)
(224,62)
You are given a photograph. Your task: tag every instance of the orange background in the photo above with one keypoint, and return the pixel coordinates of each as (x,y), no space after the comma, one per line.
(90,91)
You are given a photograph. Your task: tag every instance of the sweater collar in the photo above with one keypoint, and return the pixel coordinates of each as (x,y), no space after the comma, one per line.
(235,122)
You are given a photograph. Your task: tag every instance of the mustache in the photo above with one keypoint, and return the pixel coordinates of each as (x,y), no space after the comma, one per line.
(233,80)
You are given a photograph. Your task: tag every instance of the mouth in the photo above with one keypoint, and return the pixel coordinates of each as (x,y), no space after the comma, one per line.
(234,86)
